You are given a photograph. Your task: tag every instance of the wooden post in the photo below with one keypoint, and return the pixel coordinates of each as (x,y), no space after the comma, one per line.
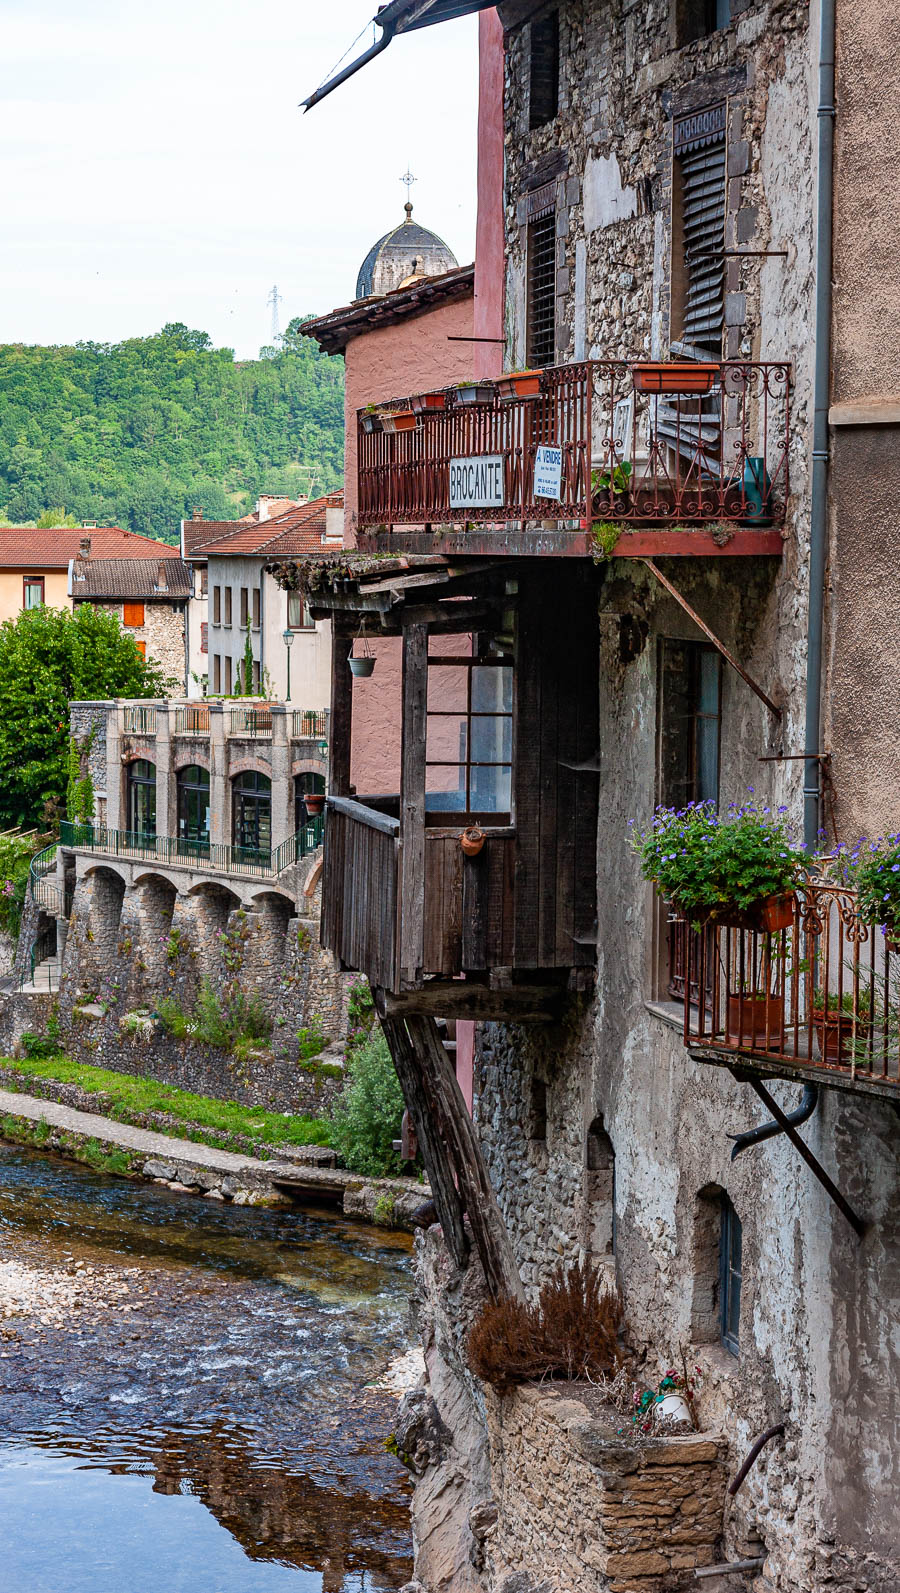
(438,1165)
(412,806)
(456,1131)
(341,708)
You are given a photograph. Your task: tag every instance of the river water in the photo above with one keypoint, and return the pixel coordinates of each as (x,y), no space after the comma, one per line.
(217,1436)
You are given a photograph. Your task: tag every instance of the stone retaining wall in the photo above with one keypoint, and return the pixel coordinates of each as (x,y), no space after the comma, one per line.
(582,1510)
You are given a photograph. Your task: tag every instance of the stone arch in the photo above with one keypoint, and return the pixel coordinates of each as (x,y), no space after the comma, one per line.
(186,758)
(155,897)
(600,1194)
(212,905)
(309,766)
(249,761)
(97,908)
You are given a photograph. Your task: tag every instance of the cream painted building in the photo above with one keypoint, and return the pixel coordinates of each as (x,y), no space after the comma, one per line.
(34,565)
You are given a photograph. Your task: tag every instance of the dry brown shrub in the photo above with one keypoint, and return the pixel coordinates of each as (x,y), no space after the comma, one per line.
(571,1332)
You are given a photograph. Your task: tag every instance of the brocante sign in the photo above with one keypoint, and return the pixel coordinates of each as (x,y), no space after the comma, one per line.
(477,482)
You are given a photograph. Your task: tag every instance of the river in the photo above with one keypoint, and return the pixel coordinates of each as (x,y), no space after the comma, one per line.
(214,1433)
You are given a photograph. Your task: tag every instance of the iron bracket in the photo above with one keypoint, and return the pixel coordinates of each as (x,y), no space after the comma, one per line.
(728,657)
(859,1227)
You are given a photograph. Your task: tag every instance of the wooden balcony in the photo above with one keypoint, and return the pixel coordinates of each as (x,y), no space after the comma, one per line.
(677,472)
(819,1001)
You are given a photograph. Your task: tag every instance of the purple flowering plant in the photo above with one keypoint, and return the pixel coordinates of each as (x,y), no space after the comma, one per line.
(707,863)
(873,867)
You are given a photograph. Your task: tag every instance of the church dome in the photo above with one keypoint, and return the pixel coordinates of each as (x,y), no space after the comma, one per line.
(401,257)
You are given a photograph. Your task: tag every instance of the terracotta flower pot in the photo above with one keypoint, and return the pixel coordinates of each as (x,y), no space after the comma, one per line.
(423,403)
(472,840)
(519,384)
(777,912)
(361,667)
(835,1032)
(756,1020)
(398,420)
(314,803)
(674,376)
(371,423)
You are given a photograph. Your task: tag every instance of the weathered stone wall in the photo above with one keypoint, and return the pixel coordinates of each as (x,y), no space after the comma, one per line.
(87,725)
(584,1510)
(163,635)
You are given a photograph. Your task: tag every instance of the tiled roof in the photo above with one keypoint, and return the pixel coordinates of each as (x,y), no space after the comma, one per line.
(333,331)
(22,548)
(129,578)
(197,532)
(297,531)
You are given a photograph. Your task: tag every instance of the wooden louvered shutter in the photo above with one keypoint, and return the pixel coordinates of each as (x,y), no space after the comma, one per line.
(700,151)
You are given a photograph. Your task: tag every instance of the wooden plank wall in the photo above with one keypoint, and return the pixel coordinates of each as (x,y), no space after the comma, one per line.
(359,905)
(557,683)
(469,908)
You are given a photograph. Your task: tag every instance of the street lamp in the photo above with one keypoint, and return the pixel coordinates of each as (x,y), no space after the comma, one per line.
(288,640)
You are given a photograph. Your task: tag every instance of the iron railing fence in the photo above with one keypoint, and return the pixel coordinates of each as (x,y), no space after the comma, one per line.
(139,719)
(309,724)
(255,721)
(821,996)
(630,456)
(175,852)
(192,721)
(43,890)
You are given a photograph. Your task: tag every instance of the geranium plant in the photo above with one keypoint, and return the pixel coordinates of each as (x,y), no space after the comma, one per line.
(711,865)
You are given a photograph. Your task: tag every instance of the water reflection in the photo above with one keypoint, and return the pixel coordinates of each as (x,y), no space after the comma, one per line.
(236,1382)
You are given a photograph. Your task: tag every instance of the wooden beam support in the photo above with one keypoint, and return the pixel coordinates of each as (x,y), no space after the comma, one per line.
(720,646)
(341,730)
(458,998)
(412,805)
(454,1127)
(438,1164)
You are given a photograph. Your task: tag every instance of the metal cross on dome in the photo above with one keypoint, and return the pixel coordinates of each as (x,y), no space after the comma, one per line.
(408,179)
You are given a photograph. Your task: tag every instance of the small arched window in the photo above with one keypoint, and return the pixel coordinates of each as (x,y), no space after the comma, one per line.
(141,805)
(251,808)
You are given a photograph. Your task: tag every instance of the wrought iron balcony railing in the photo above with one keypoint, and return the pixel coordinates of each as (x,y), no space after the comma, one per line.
(253,721)
(203,855)
(819,999)
(631,454)
(192,721)
(139,719)
(309,724)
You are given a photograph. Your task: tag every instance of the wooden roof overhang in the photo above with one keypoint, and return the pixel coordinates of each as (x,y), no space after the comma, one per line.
(449,596)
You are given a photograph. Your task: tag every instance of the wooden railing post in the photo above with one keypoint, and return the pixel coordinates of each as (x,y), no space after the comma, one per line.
(341,707)
(412,805)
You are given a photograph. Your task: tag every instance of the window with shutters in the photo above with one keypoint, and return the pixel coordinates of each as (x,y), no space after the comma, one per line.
(217,605)
(142,648)
(690,722)
(256,607)
(542,289)
(543,96)
(228,605)
(204,636)
(133,615)
(217,673)
(698,265)
(245,607)
(227,676)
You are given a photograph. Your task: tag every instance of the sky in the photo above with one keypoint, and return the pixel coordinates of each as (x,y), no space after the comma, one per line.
(155,165)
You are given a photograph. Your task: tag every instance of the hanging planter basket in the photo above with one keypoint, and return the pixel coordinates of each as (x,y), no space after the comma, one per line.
(519,384)
(362,667)
(398,420)
(474,393)
(371,423)
(674,376)
(425,403)
(314,801)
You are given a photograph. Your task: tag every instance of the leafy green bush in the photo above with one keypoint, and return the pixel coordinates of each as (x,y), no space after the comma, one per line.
(706,863)
(16,852)
(312,1039)
(223,1022)
(367,1114)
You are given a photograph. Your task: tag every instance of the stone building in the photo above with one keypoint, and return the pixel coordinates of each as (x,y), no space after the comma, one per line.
(667,187)
(150,601)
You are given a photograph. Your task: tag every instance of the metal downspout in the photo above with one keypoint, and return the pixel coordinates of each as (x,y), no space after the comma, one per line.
(755,1136)
(821,393)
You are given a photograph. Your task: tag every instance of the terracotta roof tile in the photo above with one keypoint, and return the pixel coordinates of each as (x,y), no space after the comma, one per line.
(298,531)
(52,549)
(128,578)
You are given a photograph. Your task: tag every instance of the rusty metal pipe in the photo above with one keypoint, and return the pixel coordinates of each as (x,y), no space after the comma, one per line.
(762,1440)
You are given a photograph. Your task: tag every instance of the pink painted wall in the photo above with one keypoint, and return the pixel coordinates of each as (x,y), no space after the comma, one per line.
(465,1059)
(395,361)
(490,266)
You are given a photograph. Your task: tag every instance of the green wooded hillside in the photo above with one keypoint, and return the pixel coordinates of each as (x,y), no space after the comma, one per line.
(137,433)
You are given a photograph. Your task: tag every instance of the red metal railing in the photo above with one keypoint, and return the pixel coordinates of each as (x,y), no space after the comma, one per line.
(629,456)
(820,997)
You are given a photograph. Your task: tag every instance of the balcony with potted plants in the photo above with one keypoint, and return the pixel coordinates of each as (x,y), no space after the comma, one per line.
(789,966)
(625,457)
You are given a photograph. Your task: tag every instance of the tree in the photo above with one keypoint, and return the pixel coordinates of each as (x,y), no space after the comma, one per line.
(49,658)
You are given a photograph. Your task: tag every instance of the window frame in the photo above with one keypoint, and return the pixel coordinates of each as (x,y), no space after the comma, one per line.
(217,604)
(245,607)
(676,935)
(731,1275)
(129,611)
(541,342)
(133,784)
(256,607)
(306,623)
(228,604)
(544,55)
(440,816)
(33,581)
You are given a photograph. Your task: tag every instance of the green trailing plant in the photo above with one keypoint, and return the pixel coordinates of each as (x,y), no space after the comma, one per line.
(312,1040)
(80,786)
(604,535)
(244,682)
(707,864)
(571,1332)
(616,481)
(367,1115)
(874,869)
(16,852)
(360,1013)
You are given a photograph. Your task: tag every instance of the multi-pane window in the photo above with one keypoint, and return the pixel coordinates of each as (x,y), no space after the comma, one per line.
(690,719)
(33,591)
(142,798)
(468,743)
(730,1276)
(193,804)
(543,98)
(252,811)
(541,317)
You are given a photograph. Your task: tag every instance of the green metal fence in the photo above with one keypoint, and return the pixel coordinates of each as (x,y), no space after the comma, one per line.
(309,724)
(140,719)
(250,722)
(215,856)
